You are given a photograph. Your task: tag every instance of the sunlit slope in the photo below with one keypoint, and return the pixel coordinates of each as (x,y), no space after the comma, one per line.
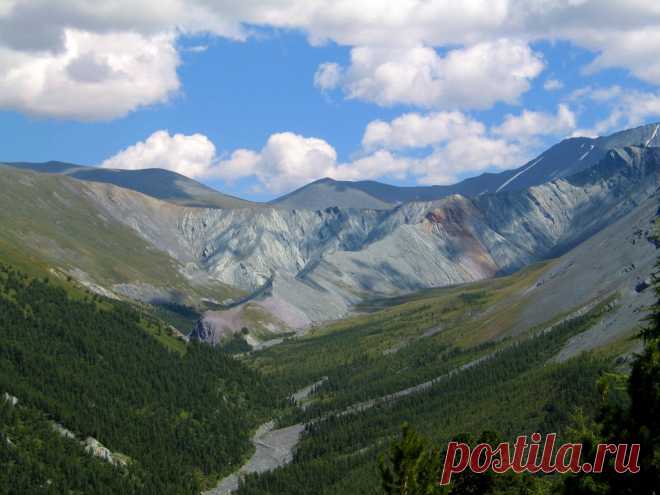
(51,220)
(400,342)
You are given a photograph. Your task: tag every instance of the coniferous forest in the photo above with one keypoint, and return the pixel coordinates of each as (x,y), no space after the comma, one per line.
(88,365)
(180,419)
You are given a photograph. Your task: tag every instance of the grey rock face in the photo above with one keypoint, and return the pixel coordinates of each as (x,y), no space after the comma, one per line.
(204,331)
(320,262)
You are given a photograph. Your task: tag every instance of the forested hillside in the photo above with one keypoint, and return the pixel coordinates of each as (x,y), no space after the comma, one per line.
(479,379)
(89,365)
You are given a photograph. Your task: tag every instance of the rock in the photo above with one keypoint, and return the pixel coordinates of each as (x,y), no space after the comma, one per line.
(643,285)
(94,447)
(206,331)
(63,431)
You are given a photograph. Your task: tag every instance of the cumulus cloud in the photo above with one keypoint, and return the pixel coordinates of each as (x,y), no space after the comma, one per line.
(289,160)
(193,156)
(453,146)
(94,76)
(437,54)
(460,145)
(474,77)
(626,108)
(466,156)
(529,124)
(432,148)
(414,130)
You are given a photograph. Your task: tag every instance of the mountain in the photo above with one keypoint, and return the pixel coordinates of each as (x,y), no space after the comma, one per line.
(326,193)
(561,160)
(84,372)
(479,305)
(155,182)
(305,266)
(273,270)
(52,220)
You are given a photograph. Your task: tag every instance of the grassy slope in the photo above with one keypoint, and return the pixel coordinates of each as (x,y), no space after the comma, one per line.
(465,317)
(48,220)
(519,390)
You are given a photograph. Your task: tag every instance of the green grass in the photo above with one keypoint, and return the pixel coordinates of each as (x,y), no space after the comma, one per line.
(48,221)
(468,315)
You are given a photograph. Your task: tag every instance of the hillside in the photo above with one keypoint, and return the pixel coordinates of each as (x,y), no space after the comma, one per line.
(92,367)
(297,268)
(451,314)
(318,264)
(157,183)
(445,362)
(51,220)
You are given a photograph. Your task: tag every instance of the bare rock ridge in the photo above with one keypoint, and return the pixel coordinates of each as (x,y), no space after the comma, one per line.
(321,262)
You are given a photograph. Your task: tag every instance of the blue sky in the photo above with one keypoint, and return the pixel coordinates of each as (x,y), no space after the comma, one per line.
(258,100)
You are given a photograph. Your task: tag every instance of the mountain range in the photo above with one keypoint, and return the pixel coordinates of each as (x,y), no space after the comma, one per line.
(561,160)
(312,255)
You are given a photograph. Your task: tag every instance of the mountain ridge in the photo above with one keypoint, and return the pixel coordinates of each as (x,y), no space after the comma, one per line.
(155,182)
(287,269)
(322,262)
(567,157)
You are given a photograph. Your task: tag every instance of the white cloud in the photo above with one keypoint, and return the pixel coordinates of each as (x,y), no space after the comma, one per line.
(395,49)
(467,156)
(462,146)
(327,76)
(290,160)
(286,161)
(553,85)
(192,156)
(94,76)
(474,77)
(459,146)
(529,124)
(414,130)
(379,164)
(626,108)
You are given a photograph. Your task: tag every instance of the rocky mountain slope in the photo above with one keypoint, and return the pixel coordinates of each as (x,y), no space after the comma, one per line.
(316,264)
(277,269)
(565,158)
(52,221)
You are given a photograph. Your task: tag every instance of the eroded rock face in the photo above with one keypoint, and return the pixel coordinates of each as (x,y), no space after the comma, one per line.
(321,262)
(206,330)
